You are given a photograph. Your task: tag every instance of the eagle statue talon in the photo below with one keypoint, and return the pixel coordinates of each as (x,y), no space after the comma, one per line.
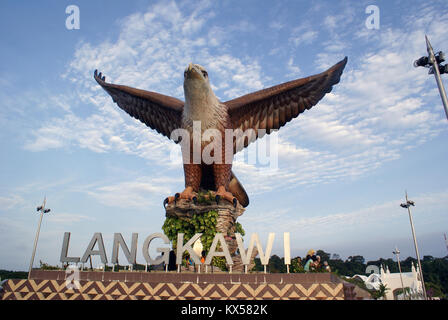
(187,194)
(169,200)
(222,193)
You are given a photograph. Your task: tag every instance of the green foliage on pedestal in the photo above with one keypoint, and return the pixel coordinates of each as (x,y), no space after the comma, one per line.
(204,223)
(205,197)
(198,223)
(239,229)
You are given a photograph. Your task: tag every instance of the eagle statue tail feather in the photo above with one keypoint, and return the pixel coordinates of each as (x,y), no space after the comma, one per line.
(237,189)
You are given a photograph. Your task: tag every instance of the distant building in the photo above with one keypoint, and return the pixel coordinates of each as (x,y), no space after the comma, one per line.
(392,281)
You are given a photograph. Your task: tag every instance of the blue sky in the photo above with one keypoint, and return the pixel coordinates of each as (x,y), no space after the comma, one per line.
(343,166)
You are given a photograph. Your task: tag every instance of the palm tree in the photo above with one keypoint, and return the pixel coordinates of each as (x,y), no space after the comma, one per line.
(380,293)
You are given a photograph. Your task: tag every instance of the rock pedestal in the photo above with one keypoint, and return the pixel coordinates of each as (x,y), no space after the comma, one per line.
(225,224)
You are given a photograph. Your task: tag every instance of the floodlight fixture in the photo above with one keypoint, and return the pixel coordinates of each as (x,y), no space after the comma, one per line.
(442,69)
(440,57)
(421,62)
(434,63)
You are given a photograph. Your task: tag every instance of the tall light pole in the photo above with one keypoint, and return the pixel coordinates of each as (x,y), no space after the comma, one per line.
(407,205)
(446,241)
(434,63)
(42,211)
(397,253)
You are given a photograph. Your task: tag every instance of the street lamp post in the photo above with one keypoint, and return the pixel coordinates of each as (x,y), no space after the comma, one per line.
(397,253)
(407,205)
(446,241)
(434,63)
(42,211)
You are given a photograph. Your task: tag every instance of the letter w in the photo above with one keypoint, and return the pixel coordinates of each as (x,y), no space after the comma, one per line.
(246,254)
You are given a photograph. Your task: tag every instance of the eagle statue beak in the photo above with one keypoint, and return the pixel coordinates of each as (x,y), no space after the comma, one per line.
(193,72)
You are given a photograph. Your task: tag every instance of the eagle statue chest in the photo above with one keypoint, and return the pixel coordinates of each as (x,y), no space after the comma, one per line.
(202,109)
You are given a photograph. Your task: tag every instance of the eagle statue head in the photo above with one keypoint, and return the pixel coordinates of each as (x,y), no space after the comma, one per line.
(197,88)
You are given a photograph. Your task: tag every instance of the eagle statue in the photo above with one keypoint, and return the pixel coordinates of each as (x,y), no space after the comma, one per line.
(262,112)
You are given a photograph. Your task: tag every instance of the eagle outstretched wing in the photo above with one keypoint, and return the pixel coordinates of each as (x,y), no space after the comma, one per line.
(159,112)
(272,108)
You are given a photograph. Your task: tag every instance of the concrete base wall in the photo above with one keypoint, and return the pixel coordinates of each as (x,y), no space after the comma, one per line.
(57,285)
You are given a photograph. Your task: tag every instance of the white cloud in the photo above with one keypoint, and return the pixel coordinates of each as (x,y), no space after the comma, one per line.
(331,22)
(335,23)
(276,25)
(294,69)
(10,202)
(306,167)
(139,193)
(87,133)
(370,219)
(301,36)
(68,218)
